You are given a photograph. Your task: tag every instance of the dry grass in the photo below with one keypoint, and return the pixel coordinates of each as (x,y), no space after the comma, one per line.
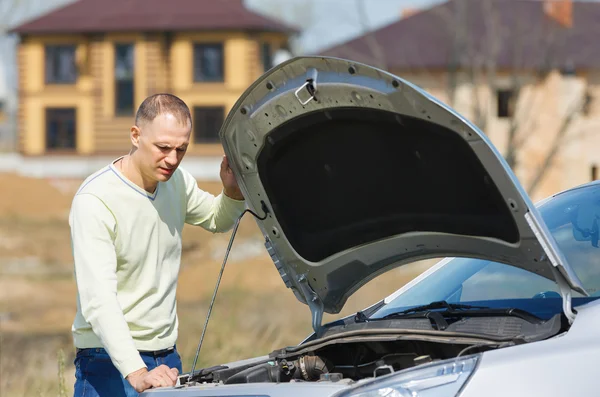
(247,321)
(31,364)
(254,312)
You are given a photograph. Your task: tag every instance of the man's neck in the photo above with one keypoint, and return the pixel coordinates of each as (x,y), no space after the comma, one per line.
(131,171)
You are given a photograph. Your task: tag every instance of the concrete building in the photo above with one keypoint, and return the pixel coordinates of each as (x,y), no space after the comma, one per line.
(527,72)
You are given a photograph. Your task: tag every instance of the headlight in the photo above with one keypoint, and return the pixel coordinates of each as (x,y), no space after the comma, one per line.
(440,379)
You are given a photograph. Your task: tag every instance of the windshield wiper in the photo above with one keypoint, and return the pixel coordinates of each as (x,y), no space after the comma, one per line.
(436,305)
(459,310)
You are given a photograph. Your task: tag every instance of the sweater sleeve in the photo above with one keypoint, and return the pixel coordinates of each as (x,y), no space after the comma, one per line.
(93,231)
(215,214)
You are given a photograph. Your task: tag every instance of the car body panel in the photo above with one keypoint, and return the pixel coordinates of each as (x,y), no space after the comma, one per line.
(322,389)
(560,366)
(293,186)
(522,370)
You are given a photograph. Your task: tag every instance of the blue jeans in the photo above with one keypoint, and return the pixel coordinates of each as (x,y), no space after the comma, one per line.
(96,376)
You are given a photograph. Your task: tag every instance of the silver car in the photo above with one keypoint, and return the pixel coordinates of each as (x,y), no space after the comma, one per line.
(351,172)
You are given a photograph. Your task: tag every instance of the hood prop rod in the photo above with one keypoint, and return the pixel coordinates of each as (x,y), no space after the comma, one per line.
(214,296)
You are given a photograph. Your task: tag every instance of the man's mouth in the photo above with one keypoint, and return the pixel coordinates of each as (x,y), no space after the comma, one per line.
(166,171)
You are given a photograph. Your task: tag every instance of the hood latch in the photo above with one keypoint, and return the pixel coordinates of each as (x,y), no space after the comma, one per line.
(310,85)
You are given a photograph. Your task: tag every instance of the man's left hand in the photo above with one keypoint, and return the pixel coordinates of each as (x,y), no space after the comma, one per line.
(230,185)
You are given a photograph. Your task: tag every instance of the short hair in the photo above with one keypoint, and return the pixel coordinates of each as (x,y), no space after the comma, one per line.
(162,103)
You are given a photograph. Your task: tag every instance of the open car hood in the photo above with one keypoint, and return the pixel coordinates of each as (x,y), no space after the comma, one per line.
(359,171)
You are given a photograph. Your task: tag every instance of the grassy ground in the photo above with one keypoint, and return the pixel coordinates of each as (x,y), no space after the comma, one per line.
(254,312)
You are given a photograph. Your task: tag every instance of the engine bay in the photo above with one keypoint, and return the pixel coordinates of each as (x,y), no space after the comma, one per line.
(354,351)
(353,361)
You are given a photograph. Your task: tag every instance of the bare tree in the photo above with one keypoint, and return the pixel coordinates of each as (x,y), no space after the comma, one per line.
(492,52)
(300,14)
(377,50)
(8,9)
(532,53)
(304,14)
(13,12)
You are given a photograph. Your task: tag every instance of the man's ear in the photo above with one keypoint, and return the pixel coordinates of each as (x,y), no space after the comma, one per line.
(135,136)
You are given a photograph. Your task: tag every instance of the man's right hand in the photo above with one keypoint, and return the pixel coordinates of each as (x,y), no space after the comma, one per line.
(160,376)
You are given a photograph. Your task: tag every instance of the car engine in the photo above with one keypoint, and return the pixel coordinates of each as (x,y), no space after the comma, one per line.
(356,351)
(352,361)
(347,361)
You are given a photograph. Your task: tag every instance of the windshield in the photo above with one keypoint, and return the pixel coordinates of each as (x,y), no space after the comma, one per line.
(572,217)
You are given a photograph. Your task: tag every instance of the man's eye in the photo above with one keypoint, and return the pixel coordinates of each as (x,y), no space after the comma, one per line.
(181,149)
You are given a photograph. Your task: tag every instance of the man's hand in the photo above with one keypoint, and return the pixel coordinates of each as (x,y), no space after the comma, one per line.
(160,376)
(230,185)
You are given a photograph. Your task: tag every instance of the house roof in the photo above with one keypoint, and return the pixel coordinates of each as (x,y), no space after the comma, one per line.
(514,33)
(94,16)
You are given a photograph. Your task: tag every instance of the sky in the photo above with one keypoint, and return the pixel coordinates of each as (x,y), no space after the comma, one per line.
(335,21)
(327,13)
(326,22)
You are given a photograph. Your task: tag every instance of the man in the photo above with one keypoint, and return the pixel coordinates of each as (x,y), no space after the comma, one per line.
(126,222)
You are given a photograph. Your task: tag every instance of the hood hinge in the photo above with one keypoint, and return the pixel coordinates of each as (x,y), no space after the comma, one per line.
(314,303)
(567,293)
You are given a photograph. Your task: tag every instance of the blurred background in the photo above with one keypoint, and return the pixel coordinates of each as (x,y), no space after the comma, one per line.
(72,73)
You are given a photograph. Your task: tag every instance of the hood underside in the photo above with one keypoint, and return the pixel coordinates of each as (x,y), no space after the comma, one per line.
(359,171)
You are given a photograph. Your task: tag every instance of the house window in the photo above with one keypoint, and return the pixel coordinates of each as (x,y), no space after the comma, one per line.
(208,62)
(505,103)
(60,64)
(207,123)
(60,128)
(568,70)
(124,62)
(266,56)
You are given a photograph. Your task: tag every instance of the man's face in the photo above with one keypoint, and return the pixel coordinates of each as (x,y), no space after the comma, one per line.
(161,145)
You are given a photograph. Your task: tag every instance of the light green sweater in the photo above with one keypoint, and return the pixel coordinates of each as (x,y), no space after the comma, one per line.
(127,251)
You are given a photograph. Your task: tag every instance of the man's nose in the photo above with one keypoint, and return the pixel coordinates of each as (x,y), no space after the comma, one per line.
(171,158)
